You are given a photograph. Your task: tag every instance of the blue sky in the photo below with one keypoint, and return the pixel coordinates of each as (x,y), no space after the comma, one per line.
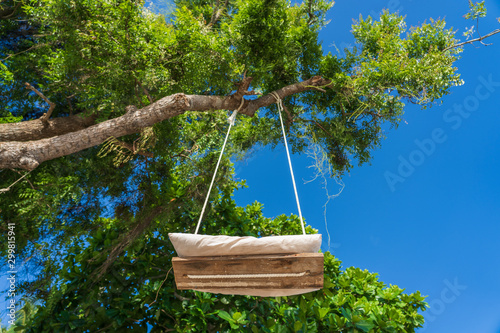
(425,214)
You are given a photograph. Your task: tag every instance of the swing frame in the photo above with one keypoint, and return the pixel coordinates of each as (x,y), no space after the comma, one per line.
(272,274)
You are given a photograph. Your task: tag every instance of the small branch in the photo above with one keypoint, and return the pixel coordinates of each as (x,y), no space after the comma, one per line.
(7,189)
(36,46)
(146,92)
(243,88)
(160,286)
(14,11)
(477,30)
(494,32)
(310,13)
(105,328)
(217,12)
(252,93)
(68,98)
(45,116)
(318,89)
(214,13)
(320,126)
(179,297)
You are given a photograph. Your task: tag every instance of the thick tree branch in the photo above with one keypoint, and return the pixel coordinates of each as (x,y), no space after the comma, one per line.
(35,129)
(494,32)
(28,155)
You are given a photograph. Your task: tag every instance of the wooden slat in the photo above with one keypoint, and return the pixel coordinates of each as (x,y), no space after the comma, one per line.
(291,271)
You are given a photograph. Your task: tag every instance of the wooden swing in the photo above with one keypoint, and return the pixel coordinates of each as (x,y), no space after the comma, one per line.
(268,266)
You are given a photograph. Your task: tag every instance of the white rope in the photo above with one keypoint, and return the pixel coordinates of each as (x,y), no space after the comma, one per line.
(280,108)
(246,276)
(231,121)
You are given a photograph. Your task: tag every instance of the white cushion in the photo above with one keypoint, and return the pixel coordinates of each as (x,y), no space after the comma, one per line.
(191,245)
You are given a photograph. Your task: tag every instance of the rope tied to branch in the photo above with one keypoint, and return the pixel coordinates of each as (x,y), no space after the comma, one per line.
(231,120)
(280,109)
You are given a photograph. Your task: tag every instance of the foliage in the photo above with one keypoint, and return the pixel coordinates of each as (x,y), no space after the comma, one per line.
(476,10)
(139,291)
(92,227)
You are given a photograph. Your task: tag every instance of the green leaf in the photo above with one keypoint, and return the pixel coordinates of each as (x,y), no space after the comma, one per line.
(323,312)
(297,326)
(365,325)
(236,316)
(226,316)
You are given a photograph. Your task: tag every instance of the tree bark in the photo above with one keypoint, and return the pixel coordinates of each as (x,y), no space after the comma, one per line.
(36,129)
(29,154)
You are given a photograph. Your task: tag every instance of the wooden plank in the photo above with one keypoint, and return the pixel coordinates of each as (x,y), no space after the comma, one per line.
(290,271)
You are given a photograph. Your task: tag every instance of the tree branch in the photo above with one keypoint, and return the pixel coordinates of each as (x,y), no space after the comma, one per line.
(214,13)
(35,130)
(45,117)
(125,241)
(9,12)
(217,12)
(7,189)
(28,155)
(144,90)
(494,32)
(34,47)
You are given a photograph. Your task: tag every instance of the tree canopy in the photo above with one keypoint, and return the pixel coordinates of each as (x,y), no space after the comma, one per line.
(113,115)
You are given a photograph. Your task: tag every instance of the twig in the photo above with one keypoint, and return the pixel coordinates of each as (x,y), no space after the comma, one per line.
(29,49)
(14,11)
(146,92)
(494,32)
(29,182)
(45,116)
(477,30)
(214,13)
(105,327)
(182,298)
(320,126)
(160,286)
(217,12)
(318,89)
(310,13)
(165,327)
(68,98)
(7,189)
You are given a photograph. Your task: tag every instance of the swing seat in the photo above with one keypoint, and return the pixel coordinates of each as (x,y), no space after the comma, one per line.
(267,266)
